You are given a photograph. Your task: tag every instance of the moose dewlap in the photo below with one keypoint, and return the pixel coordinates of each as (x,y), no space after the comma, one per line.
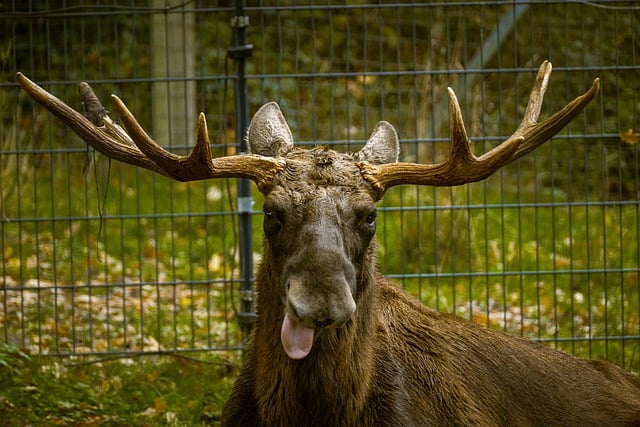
(336,344)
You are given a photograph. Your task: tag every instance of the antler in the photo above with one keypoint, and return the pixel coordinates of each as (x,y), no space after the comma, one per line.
(463,166)
(132,144)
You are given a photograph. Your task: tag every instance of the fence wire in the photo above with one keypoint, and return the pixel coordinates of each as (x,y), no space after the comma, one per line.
(99,258)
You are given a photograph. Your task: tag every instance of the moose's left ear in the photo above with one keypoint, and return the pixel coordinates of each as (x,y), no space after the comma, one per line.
(382,146)
(269,133)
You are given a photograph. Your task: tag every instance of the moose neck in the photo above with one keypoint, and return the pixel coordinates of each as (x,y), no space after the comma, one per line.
(337,373)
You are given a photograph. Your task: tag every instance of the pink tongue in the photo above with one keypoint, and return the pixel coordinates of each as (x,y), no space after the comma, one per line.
(296,338)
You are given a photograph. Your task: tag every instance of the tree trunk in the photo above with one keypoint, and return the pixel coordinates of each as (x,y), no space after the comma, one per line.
(173,57)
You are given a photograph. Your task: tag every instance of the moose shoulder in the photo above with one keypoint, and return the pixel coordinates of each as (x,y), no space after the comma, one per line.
(336,344)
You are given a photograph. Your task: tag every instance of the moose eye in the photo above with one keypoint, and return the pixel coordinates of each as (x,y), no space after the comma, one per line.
(371,217)
(272,221)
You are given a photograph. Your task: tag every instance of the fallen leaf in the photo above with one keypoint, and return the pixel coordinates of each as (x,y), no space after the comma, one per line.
(149,412)
(630,137)
(159,405)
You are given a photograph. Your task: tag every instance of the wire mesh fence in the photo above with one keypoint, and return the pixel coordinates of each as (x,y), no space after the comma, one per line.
(99,258)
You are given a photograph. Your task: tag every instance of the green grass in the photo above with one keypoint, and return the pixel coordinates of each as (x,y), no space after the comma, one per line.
(145,391)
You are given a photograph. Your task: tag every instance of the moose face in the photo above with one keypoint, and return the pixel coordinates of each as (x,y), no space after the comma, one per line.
(320,242)
(319,224)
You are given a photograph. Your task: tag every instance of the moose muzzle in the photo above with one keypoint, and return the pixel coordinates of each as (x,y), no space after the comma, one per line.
(320,286)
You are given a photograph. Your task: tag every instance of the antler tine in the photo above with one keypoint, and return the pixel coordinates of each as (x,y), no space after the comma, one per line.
(132,145)
(463,166)
(195,166)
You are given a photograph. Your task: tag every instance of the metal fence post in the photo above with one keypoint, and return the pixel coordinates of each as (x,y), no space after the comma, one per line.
(239,52)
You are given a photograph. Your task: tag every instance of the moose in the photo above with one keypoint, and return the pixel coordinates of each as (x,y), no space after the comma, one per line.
(334,342)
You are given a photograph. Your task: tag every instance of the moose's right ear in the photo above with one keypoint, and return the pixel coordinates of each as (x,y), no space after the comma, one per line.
(269,133)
